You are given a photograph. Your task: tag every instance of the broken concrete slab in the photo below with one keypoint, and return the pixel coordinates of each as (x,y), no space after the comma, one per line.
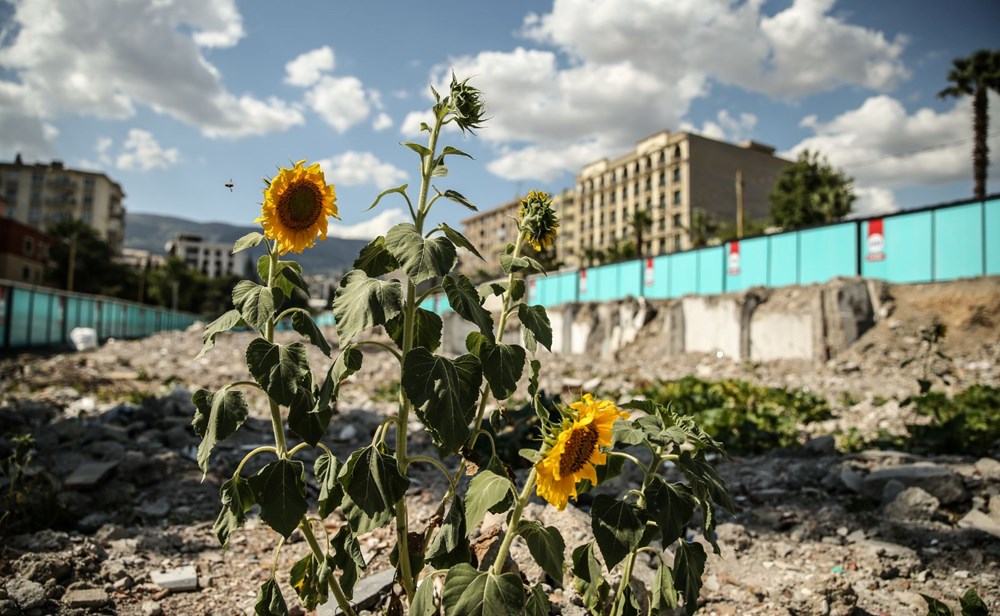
(366,593)
(86,597)
(977,520)
(179,579)
(89,474)
(943,483)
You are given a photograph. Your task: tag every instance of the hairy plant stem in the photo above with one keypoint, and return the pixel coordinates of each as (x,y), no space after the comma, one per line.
(276,426)
(619,604)
(338,592)
(650,472)
(515,518)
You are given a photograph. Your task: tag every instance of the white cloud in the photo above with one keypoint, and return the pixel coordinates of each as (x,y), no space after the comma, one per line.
(105,59)
(873,201)
(357,168)
(142,152)
(306,69)
(341,101)
(22,129)
(370,228)
(725,127)
(382,122)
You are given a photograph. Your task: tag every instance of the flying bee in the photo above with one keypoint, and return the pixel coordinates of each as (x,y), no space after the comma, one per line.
(230,185)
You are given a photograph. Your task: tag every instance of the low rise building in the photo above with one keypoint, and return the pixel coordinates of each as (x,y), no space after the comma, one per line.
(212,259)
(24,252)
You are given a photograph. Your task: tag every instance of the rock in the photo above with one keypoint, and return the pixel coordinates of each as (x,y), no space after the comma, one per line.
(154,509)
(27,594)
(820,446)
(944,484)
(347,433)
(891,490)
(851,479)
(151,608)
(86,597)
(180,579)
(366,593)
(978,520)
(89,474)
(989,468)
(912,504)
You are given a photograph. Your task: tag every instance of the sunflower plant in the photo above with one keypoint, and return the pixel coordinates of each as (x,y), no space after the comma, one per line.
(579,446)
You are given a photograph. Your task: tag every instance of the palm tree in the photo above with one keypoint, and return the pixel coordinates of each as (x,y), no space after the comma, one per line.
(641,222)
(703,227)
(976,75)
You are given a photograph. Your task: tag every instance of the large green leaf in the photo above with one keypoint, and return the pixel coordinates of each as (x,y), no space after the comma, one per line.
(247,241)
(421,258)
(427,327)
(972,604)
(511,264)
(331,493)
(373,481)
(664,593)
(445,392)
(360,522)
(289,277)
(237,499)
(279,369)
(533,319)
(485,490)
(217,415)
(308,582)
(936,607)
(449,546)
(303,323)
(305,416)
(538,602)
(269,600)
(588,577)
(423,601)
(546,546)
(479,593)
(375,260)
(255,303)
(502,367)
(463,299)
(460,240)
(346,364)
(362,302)
(347,557)
(280,490)
(226,322)
(618,527)
(671,506)
(689,564)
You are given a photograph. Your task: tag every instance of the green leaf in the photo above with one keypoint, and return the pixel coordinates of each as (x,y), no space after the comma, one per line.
(224,323)
(279,369)
(399,189)
(618,527)
(459,240)
(440,170)
(689,564)
(373,481)
(464,300)
(346,364)
(423,601)
(457,197)
(670,505)
(305,417)
(664,593)
(331,493)
(972,604)
(308,577)
(704,479)
(535,368)
(936,607)
(360,522)
(502,366)
(626,434)
(485,490)
(362,302)
(534,319)
(247,241)
(445,393)
(347,557)
(450,150)
(538,602)
(449,546)
(588,577)
(280,490)
(269,600)
(427,328)
(237,499)
(254,302)
(546,546)
(419,149)
(421,258)
(263,267)
(630,606)
(479,593)
(531,455)
(375,260)
(217,416)
(288,277)
(511,264)
(304,324)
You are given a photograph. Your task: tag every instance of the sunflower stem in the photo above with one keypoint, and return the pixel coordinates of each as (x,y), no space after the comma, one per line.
(515,518)
(276,425)
(619,603)
(338,592)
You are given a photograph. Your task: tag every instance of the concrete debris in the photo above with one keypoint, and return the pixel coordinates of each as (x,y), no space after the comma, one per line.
(912,504)
(179,579)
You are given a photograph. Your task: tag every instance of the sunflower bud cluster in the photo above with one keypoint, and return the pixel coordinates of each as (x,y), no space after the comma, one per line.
(537,219)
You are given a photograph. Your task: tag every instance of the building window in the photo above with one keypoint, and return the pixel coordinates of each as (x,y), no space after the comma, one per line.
(677,152)
(29,247)
(663,202)
(677,174)
(677,197)
(663,224)
(663,158)
(25,273)
(677,221)
(663,179)
(614,196)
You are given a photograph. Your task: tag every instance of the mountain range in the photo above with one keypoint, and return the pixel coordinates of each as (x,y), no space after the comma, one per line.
(152,232)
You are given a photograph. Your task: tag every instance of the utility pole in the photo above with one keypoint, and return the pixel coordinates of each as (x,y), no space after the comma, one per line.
(72,261)
(739,204)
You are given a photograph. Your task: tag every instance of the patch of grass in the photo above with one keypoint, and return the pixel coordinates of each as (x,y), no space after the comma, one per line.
(968,423)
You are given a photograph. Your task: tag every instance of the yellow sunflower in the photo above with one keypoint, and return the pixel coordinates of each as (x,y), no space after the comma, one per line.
(576,453)
(296,206)
(538,219)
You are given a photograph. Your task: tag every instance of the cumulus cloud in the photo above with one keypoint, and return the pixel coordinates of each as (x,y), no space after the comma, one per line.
(22,128)
(342,102)
(382,122)
(357,168)
(370,228)
(142,152)
(725,127)
(307,68)
(149,54)
(873,201)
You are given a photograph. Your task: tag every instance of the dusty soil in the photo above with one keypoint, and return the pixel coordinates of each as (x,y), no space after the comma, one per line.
(805,539)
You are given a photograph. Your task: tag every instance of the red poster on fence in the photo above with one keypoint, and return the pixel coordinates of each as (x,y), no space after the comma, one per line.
(734,258)
(583,281)
(649,272)
(875,241)
(531,290)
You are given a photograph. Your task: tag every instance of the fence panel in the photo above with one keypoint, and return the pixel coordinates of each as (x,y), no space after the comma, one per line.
(711,268)
(991,230)
(958,242)
(828,252)
(906,254)
(629,279)
(753,264)
(783,269)
(660,289)
(684,274)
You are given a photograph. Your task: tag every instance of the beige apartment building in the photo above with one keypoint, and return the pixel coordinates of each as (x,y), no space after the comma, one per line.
(670,175)
(41,194)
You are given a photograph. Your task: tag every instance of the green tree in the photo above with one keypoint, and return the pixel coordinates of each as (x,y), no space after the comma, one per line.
(975,76)
(811,192)
(703,227)
(592,256)
(80,247)
(640,222)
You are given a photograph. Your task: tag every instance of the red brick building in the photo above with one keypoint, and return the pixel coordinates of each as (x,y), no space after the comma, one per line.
(24,251)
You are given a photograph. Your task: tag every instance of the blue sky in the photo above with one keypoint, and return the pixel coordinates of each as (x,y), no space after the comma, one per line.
(172,98)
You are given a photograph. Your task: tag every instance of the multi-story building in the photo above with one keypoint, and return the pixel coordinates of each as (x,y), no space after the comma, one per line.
(212,259)
(40,194)
(670,175)
(24,252)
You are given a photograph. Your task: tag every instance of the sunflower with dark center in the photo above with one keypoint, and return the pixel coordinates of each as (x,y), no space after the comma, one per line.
(538,220)
(576,451)
(296,206)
